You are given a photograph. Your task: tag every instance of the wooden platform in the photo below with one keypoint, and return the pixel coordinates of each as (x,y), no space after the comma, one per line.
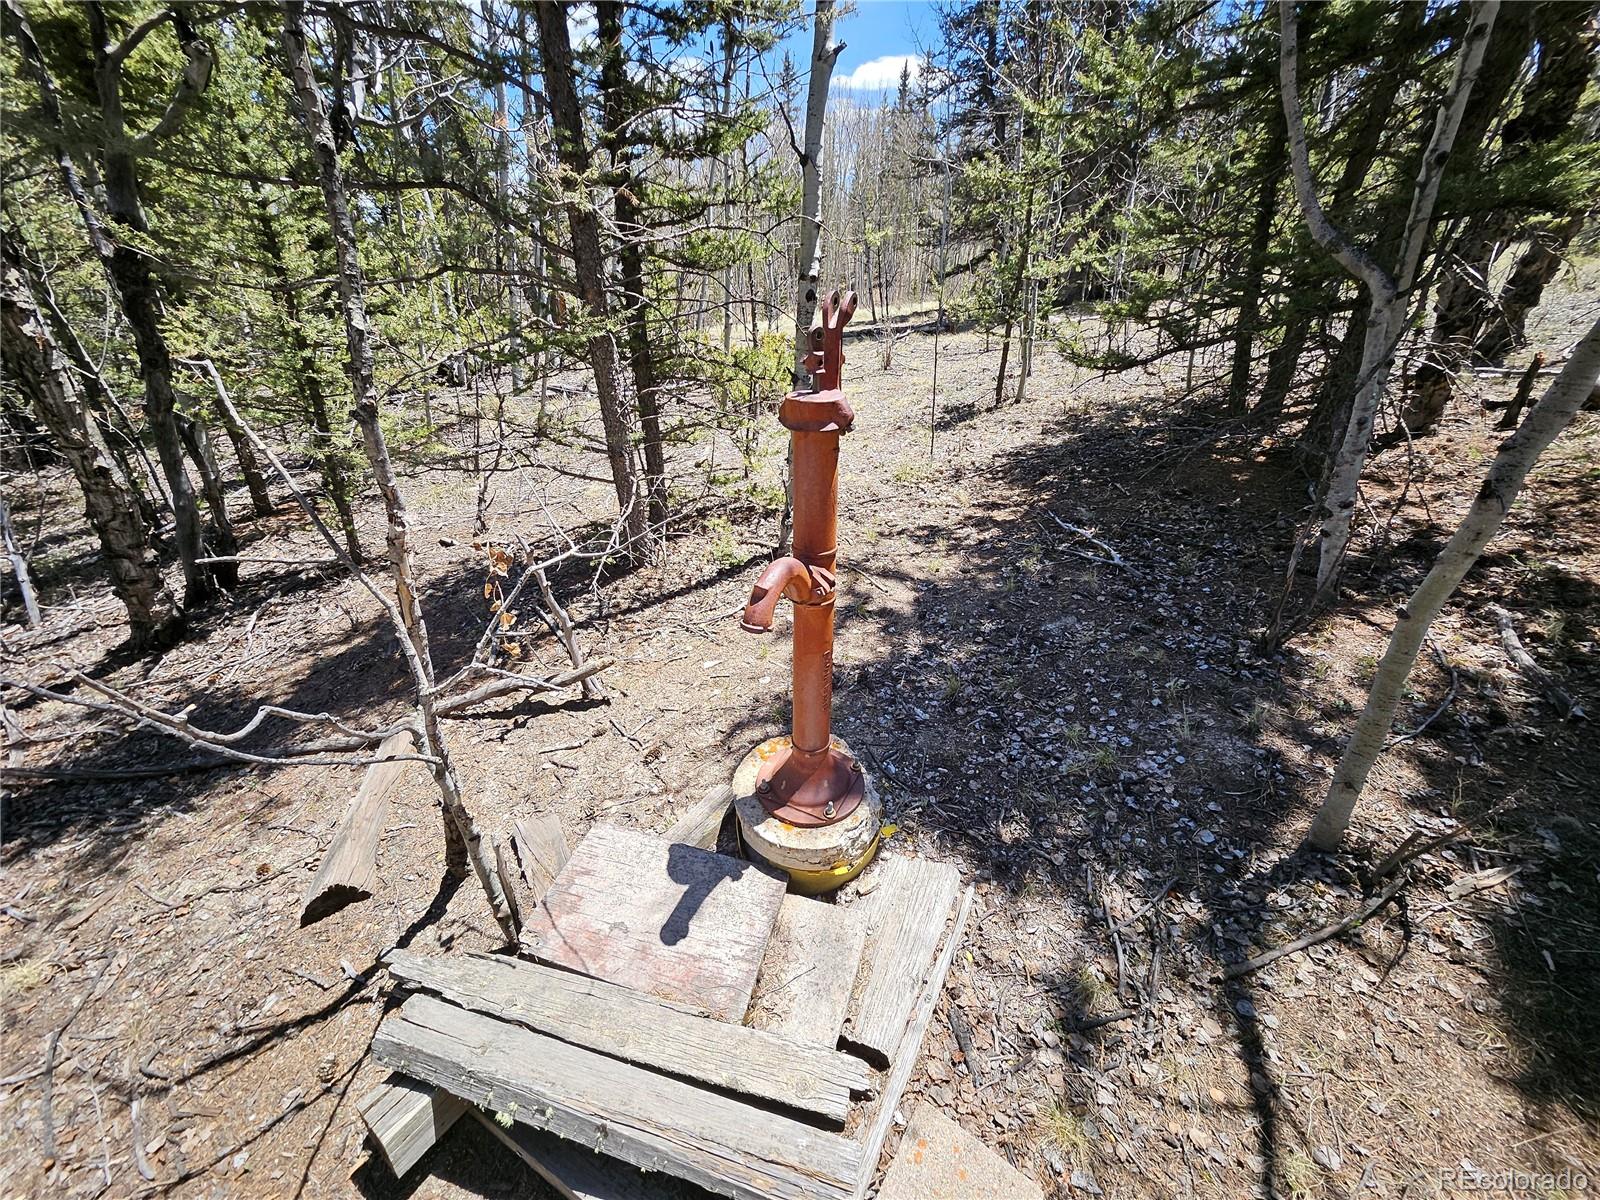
(634,1041)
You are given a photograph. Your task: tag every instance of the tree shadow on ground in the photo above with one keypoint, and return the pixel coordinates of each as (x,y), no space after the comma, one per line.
(1498,757)
(1079,728)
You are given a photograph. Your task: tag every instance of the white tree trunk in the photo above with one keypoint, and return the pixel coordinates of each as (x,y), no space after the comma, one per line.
(463,843)
(509,251)
(1386,287)
(1339,504)
(1554,412)
(824,53)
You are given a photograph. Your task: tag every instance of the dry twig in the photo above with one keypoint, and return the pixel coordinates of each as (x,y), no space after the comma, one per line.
(1326,933)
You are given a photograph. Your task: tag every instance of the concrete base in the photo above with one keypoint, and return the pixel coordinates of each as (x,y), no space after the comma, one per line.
(816,860)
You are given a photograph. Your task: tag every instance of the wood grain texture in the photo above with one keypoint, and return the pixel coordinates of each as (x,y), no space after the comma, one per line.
(905,916)
(580,1174)
(528,859)
(541,847)
(907,1052)
(702,822)
(809,971)
(652,1121)
(406,1118)
(617,1021)
(349,869)
(667,919)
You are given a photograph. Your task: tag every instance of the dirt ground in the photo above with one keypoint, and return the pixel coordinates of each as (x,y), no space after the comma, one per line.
(1097,744)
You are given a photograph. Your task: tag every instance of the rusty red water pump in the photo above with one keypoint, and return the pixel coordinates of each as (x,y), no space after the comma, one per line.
(813,780)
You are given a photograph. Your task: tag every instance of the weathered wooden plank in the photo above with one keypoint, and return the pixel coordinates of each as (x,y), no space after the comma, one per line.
(909,1049)
(528,859)
(541,846)
(810,968)
(905,916)
(405,1119)
(938,1160)
(650,1120)
(668,919)
(518,898)
(349,869)
(579,1174)
(618,1021)
(700,824)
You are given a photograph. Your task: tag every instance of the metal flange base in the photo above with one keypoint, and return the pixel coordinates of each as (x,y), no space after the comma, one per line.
(817,858)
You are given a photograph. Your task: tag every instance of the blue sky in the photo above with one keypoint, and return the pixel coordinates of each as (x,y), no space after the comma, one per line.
(879,37)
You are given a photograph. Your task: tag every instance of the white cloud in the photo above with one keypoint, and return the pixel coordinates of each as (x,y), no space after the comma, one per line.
(581,24)
(879,74)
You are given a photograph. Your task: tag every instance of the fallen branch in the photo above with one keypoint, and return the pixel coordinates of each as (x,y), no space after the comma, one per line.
(1110,1018)
(1410,849)
(1449,697)
(1112,559)
(1326,933)
(128,707)
(1480,881)
(47,1113)
(1161,894)
(121,704)
(1542,679)
(507,681)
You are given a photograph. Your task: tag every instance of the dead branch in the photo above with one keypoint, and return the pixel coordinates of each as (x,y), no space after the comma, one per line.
(574,552)
(1326,933)
(1110,1018)
(48,1070)
(1112,558)
(507,681)
(592,689)
(1530,670)
(121,704)
(1449,697)
(1414,847)
(1161,894)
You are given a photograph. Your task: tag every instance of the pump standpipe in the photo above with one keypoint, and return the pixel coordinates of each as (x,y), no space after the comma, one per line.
(804,802)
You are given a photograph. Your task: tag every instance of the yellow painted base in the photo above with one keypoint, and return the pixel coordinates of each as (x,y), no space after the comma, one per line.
(817,883)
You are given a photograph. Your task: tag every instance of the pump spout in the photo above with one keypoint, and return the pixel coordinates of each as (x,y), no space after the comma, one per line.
(786,576)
